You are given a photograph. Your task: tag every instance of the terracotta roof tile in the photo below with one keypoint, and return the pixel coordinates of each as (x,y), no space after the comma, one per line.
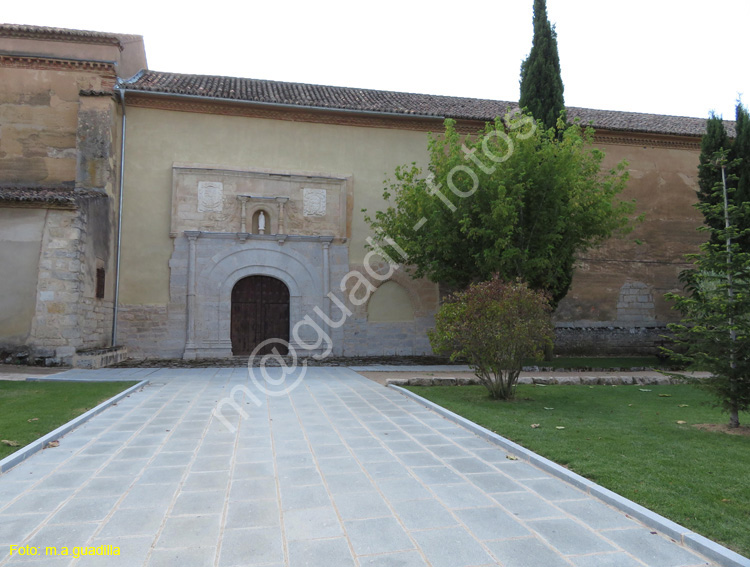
(367,100)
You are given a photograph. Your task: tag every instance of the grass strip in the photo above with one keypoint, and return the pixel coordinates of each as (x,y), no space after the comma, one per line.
(628,439)
(29,410)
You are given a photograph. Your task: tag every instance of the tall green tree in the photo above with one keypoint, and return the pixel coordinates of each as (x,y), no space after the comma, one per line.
(714,333)
(520,203)
(737,171)
(741,154)
(714,140)
(541,81)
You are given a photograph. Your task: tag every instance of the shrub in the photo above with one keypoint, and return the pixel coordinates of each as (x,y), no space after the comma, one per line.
(494,325)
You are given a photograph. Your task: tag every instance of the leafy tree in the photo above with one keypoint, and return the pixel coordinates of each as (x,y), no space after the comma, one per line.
(541,82)
(714,334)
(494,325)
(520,204)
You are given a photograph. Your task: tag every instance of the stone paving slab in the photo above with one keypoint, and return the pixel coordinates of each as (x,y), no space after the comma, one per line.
(339,471)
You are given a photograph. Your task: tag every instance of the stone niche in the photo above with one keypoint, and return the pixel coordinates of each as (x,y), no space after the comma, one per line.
(228,200)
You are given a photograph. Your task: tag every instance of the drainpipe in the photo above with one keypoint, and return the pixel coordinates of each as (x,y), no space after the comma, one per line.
(119,218)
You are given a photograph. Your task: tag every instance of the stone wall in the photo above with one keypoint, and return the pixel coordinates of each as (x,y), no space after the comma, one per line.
(68,315)
(609,340)
(145,329)
(40,121)
(59,136)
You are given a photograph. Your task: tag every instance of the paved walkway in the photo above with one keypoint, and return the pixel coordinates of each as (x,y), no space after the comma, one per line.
(340,472)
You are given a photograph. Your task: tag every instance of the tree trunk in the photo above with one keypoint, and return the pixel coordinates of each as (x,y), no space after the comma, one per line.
(549,351)
(734,418)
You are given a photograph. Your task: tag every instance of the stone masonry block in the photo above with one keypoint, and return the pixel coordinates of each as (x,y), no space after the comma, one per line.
(444,381)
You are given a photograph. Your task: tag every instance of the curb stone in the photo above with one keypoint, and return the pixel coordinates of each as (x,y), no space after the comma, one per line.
(24,453)
(696,542)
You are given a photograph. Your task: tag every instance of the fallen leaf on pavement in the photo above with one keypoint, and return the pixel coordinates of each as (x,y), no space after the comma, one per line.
(511,457)
(52,444)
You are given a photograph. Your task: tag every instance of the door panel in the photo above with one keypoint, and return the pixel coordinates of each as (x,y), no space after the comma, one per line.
(260,311)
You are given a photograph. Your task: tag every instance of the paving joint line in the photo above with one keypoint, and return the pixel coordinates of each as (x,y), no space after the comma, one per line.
(691,540)
(464,477)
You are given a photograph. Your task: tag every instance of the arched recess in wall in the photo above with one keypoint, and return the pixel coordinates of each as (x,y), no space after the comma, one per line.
(390,303)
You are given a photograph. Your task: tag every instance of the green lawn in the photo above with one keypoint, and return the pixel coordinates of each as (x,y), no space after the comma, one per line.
(29,410)
(627,439)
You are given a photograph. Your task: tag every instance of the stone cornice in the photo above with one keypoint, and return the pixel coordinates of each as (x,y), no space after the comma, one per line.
(47,197)
(103,68)
(58,34)
(617,138)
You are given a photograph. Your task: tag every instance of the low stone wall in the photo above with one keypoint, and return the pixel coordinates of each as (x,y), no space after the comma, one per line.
(97,358)
(609,341)
(571,379)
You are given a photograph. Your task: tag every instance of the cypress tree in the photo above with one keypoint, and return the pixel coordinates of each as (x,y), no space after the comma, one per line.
(737,172)
(709,176)
(741,152)
(541,82)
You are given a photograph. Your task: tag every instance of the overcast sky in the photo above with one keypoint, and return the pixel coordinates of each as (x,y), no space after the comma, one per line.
(680,57)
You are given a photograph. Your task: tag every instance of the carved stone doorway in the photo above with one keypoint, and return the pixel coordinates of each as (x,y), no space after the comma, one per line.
(260,311)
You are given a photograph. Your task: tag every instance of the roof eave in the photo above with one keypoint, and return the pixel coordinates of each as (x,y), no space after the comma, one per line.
(123,86)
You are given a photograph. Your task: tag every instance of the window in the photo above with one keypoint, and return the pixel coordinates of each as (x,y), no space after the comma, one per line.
(100,279)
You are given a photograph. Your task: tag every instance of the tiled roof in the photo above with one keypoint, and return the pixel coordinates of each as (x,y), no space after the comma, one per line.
(58,34)
(59,196)
(366,100)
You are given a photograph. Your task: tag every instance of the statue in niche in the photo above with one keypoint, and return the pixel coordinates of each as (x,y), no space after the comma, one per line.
(261,223)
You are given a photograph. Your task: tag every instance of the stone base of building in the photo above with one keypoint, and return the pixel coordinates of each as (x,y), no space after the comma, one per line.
(97,358)
(610,340)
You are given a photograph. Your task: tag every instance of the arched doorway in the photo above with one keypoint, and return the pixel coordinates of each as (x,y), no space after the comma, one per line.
(260,311)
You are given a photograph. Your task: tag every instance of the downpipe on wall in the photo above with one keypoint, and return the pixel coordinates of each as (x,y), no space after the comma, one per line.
(115,307)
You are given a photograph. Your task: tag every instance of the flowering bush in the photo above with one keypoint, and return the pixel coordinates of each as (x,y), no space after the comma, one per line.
(494,325)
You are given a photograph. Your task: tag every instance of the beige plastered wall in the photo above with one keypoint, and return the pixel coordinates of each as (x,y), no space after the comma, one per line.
(20,241)
(390,303)
(158,138)
(663,181)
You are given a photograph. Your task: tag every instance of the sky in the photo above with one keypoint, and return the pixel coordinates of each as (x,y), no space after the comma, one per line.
(677,57)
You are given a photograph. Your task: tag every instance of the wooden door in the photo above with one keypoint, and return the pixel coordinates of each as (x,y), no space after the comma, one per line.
(260,311)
